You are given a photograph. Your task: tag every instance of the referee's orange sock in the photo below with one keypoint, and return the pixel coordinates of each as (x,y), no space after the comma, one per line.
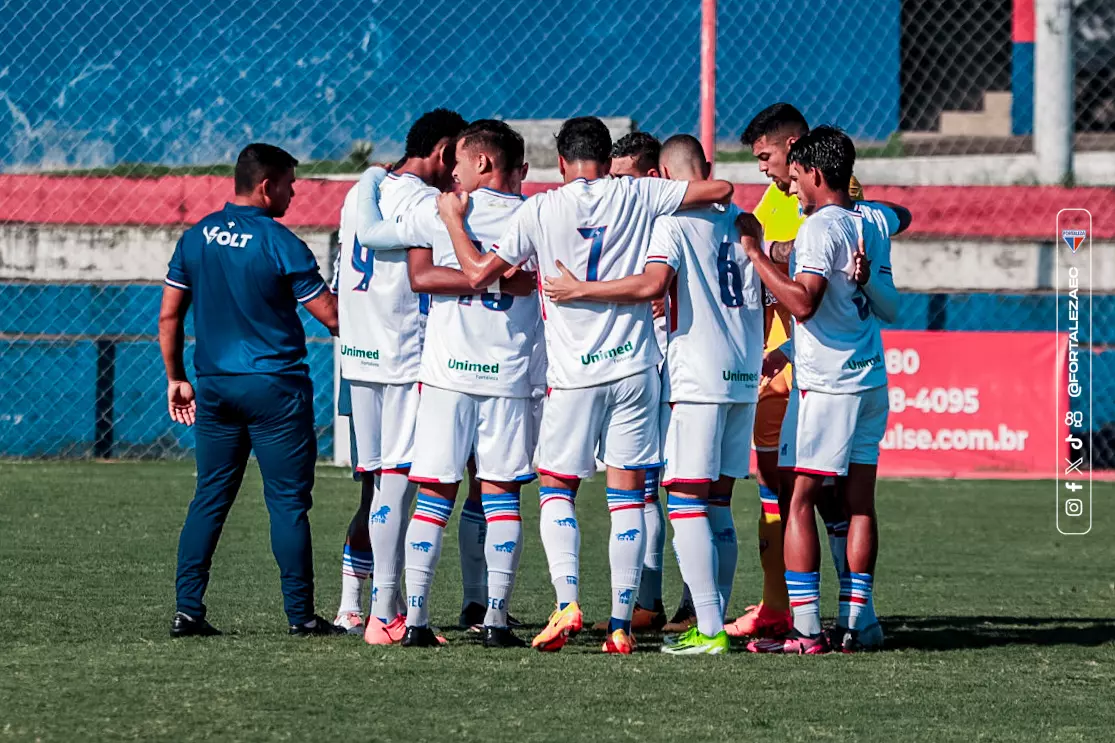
(775,596)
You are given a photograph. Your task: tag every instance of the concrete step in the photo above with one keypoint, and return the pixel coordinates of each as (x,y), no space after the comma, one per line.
(993,120)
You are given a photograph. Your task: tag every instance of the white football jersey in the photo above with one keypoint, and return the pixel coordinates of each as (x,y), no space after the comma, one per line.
(480,344)
(381,319)
(882,216)
(715,352)
(840,349)
(599,230)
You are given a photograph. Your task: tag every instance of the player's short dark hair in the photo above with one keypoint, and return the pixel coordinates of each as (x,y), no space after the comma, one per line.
(430,128)
(781,118)
(828,150)
(645,148)
(259,161)
(686,144)
(584,138)
(498,141)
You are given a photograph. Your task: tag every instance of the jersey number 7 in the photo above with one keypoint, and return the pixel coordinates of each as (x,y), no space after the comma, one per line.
(596,234)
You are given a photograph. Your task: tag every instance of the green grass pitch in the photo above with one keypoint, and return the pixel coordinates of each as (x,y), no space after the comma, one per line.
(998,628)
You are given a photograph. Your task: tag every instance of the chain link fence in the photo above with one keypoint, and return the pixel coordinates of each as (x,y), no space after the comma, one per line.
(118,123)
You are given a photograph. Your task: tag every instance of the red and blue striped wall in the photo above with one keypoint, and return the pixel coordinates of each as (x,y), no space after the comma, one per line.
(1022,68)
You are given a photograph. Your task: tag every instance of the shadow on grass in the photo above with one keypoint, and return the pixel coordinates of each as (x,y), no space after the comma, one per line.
(971,633)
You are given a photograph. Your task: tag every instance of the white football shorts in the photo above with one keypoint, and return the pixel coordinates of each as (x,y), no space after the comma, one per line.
(619,417)
(382,422)
(823,433)
(703,441)
(453,425)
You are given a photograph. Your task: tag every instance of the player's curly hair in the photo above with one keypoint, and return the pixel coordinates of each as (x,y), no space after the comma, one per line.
(498,141)
(645,148)
(780,118)
(584,138)
(828,150)
(430,128)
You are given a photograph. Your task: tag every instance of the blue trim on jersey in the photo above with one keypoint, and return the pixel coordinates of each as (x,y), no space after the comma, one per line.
(321,287)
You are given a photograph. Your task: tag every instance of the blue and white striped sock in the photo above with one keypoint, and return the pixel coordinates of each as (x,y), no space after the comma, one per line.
(650,587)
(423,548)
(561,538)
(858,600)
(356,566)
(626,549)
(805,601)
(505,545)
(471,533)
(697,558)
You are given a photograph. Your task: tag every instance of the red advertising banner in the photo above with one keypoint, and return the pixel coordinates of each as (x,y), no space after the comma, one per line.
(972,404)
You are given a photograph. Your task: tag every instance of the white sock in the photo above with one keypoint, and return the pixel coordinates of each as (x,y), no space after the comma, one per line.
(562,541)
(727,549)
(505,545)
(470,540)
(388,520)
(356,566)
(838,545)
(697,557)
(626,549)
(423,549)
(650,587)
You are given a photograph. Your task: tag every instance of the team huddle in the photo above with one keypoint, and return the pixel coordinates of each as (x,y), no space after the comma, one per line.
(632,317)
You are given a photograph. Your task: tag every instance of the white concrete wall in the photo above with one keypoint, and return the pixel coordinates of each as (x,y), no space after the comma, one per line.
(88,253)
(35,252)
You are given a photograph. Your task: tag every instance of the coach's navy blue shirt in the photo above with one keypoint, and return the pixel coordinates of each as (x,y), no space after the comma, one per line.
(246,274)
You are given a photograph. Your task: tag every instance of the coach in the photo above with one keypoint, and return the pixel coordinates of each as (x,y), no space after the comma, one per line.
(245,274)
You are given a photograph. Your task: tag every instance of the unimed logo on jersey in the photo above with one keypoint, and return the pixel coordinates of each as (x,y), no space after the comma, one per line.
(223,237)
(472,366)
(864,363)
(592,358)
(359,353)
(736,376)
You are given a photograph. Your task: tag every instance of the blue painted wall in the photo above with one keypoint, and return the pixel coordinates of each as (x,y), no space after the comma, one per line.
(89,84)
(48,385)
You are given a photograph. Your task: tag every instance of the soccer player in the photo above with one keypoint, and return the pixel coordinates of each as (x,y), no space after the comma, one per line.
(356,561)
(770,135)
(245,275)
(476,394)
(602,356)
(710,381)
(382,319)
(838,407)
(636,155)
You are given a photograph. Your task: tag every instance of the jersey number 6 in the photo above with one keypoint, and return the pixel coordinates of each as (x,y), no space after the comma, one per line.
(731,280)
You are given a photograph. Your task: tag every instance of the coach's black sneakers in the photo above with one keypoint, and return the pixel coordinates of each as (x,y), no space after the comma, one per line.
(421,637)
(316,627)
(183,625)
(501,637)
